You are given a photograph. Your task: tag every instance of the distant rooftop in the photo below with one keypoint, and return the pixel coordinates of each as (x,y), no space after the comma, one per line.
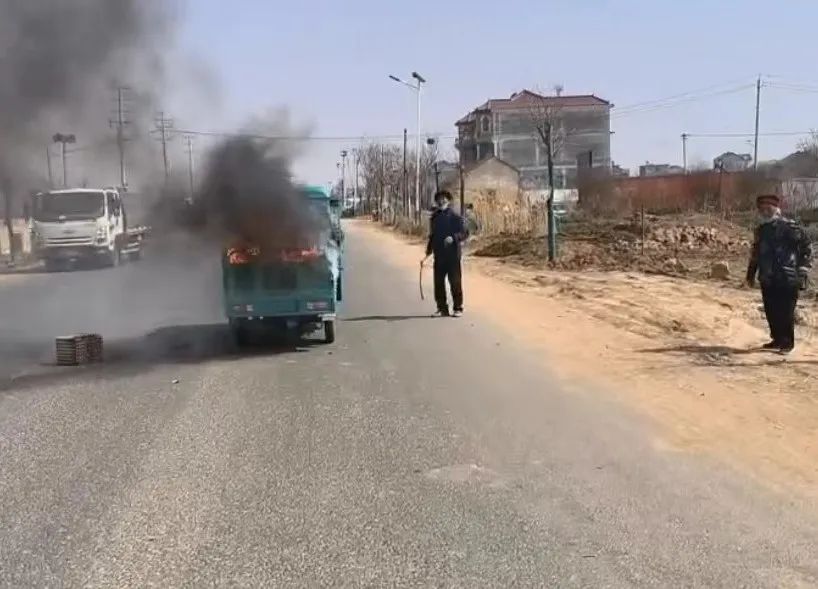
(526,98)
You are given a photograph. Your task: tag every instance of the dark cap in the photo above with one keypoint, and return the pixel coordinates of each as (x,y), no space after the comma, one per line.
(768,199)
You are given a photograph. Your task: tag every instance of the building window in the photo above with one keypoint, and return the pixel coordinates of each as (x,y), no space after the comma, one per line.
(485,124)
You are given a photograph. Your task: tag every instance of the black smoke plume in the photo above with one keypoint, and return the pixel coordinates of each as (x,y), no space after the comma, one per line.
(60,61)
(247,197)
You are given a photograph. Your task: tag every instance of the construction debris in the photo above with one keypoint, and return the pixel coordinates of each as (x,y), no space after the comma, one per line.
(74,350)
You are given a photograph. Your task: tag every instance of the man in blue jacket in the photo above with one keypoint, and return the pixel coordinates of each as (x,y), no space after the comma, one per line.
(781,258)
(446,234)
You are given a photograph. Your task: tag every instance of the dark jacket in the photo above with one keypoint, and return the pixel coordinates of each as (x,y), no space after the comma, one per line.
(781,254)
(445,223)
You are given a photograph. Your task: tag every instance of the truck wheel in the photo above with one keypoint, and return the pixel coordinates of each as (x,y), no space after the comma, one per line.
(52,266)
(329,332)
(116,258)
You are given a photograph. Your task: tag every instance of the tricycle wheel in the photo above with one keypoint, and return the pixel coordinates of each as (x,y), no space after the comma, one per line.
(329,331)
(239,333)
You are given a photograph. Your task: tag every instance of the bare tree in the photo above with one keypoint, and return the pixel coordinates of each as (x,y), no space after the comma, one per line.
(810,144)
(548,127)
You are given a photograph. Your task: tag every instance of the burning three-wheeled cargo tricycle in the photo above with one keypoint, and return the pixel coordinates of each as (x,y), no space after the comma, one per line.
(292,290)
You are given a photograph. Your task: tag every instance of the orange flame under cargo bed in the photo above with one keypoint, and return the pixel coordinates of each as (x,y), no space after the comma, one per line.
(237,256)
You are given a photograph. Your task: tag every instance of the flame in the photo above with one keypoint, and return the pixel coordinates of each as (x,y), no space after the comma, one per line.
(242,255)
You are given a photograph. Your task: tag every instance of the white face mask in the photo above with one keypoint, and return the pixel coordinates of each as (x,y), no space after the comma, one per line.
(443,205)
(769,215)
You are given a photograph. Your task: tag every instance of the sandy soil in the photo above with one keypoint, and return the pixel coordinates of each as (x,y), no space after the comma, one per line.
(684,353)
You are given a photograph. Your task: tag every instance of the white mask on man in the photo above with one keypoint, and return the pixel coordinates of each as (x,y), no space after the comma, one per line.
(443,205)
(770,215)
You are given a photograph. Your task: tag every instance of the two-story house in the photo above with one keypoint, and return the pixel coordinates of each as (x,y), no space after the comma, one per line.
(506,128)
(730,161)
(650,169)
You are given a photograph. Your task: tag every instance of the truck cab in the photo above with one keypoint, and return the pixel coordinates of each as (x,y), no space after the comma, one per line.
(78,225)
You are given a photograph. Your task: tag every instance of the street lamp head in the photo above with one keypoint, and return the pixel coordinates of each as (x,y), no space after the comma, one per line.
(60,138)
(395,78)
(418,77)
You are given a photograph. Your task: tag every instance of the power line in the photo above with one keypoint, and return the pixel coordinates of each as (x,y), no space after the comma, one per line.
(795,88)
(263,137)
(689,93)
(671,104)
(750,134)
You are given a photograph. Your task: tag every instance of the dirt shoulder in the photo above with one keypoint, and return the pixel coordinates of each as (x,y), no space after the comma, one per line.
(683,352)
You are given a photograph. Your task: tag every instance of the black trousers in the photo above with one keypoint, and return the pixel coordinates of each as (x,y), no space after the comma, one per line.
(779,307)
(448,267)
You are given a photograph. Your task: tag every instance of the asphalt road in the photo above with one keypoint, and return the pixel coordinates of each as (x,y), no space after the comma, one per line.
(413,452)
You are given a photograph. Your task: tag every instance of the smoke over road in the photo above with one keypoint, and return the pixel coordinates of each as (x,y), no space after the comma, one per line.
(248,196)
(59,64)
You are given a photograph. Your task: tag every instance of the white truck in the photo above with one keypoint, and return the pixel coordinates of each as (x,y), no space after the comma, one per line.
(83,224)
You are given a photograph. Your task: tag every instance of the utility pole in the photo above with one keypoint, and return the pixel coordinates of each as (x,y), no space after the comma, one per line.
(684,152)
(6,188)
(50,169)
(120,122)
(758,110)
(163,126)
(462,189)
(382,183)
(405,178)
(190,163)
(357,160)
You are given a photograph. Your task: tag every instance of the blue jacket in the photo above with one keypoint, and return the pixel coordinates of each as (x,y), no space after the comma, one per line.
(445,223)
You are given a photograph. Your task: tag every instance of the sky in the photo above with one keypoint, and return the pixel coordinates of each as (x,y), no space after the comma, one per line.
(328,61)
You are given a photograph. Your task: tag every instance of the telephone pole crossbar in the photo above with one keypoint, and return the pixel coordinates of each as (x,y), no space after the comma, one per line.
(164,126)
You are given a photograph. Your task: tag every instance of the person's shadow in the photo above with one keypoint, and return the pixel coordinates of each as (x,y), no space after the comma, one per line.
(720,355)
(386,318)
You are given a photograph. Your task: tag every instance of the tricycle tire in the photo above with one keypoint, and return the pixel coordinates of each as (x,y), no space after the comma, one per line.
(239,334)
(329,332)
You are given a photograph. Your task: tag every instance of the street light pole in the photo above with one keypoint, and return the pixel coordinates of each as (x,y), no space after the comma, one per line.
(419,81)
(63,140)
(343,177)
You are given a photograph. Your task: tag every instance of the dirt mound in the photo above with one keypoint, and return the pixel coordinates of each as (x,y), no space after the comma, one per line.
(503,246)
(672,245)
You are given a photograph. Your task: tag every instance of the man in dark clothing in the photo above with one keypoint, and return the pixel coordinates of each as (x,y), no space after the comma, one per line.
(781,257)
(446,234)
